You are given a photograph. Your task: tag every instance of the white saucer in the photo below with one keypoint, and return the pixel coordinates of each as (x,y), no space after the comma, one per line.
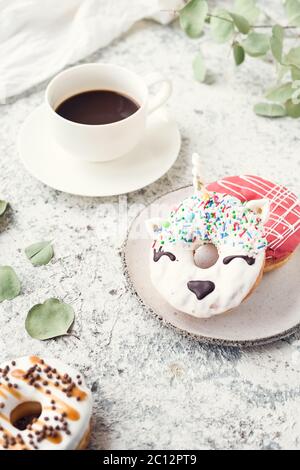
(271,313)
(49,163)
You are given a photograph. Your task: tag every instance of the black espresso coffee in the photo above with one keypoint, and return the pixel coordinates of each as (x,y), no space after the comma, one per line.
(97,107)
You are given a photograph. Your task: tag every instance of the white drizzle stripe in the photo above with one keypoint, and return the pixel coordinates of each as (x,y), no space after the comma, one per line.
(286,237)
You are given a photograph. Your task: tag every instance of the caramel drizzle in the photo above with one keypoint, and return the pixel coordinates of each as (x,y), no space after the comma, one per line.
(71,413)
(55,440)
(5,419)
(37,360)
(12,391)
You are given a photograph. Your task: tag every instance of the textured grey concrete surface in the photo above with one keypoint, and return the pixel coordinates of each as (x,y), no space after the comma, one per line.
(153,387)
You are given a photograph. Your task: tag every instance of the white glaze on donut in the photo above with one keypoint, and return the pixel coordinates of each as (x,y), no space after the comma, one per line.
(238,234)
(65,400)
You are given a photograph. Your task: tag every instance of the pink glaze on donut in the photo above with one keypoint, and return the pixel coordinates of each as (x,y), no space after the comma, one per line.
(283,226)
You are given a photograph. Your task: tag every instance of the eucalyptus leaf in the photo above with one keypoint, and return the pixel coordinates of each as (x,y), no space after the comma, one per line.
(192,17)
(39,254)
(281,93)
(199,67)
(238,53)
(241,23)
(256,44)
(222,25)
(10,286)
(296,92)
(292,110)
(293,57)
(292,8)
(269,110)
(248,9)
(3,206)
(282,71)
(49,320)
(276,42)
(295,72)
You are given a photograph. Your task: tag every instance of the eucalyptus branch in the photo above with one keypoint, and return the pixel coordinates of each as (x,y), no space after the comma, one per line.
(265,26)
(253,26)
(238,26)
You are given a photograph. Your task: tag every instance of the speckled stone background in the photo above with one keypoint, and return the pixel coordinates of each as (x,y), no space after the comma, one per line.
(153,387)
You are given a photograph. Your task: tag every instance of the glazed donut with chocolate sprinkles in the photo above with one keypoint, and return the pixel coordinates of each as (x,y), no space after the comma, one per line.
(44,405)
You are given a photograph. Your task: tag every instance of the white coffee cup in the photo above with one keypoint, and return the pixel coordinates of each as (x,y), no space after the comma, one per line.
(103,142)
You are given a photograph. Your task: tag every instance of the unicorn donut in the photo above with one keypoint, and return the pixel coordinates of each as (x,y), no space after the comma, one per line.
(209,254)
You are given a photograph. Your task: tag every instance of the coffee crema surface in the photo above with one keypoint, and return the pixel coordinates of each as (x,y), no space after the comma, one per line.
(96,107)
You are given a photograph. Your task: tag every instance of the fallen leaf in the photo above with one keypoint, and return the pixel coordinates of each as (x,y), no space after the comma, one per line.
(39,254)
(10,286)
(3,206)
(49,320)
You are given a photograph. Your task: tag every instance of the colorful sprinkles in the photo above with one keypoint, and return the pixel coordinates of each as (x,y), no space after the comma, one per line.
(219,219)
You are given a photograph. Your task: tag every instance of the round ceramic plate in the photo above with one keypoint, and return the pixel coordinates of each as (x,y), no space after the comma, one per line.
(271,313)
(49,163)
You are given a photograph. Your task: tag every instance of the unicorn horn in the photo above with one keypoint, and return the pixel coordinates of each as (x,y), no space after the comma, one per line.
(198,179)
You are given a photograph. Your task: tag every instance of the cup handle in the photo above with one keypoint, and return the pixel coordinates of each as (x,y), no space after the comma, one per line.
(161,97)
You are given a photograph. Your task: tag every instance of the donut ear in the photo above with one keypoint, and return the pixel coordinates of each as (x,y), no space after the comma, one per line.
(260,207)
(154,227)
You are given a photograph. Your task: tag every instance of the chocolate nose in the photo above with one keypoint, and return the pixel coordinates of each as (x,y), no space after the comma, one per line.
(201,288)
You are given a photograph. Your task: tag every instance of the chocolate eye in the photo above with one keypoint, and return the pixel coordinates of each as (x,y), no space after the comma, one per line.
(249,260)
(158,254)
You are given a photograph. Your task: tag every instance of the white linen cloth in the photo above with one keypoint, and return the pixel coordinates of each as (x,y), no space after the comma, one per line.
(40,37)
